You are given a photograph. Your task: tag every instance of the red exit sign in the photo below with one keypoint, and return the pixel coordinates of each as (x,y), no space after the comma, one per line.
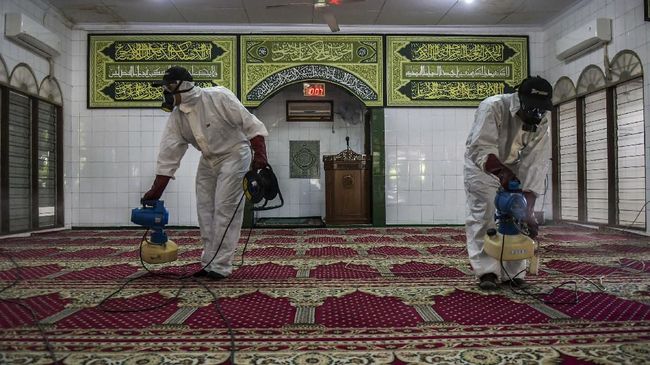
(313,89)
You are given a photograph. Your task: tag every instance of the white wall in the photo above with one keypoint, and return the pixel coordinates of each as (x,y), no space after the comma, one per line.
(14,54)
(629,31)
(424,165)
(113,158)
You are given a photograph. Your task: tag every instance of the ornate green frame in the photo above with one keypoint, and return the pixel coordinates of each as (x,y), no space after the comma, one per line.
(121,67)
(270,62)
(452,71)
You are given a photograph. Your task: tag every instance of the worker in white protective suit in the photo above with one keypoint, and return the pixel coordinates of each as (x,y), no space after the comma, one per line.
(508,140)
(217,124)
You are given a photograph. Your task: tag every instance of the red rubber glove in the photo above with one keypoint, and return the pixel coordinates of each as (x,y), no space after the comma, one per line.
(157,189)
(498,169)
(259,153)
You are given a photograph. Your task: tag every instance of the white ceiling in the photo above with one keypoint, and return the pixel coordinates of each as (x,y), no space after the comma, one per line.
(406,13)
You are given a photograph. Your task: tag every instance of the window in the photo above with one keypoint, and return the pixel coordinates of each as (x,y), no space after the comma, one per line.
(599,146)
(19,167)
(568,167)
(630,154)
(31,183)
(595,119)
(47,163)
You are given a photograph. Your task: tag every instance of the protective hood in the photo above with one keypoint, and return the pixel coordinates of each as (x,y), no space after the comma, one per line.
(189,98)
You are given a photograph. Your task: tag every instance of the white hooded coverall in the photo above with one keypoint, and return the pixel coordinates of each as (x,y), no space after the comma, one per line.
(497,130)
(217,124)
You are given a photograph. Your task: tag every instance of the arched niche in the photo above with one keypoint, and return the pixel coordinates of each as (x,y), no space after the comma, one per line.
(591,79)
(563,90)
(303,73)
(626,65)
(22,78)
(4,74)
(320,138)
(51,91)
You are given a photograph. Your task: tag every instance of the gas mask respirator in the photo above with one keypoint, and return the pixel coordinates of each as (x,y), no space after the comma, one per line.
(531,116)
(169,92)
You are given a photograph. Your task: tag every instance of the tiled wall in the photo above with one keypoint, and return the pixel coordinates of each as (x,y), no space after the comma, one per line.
(424,165)
(629,31)
(113,157)
(115,164)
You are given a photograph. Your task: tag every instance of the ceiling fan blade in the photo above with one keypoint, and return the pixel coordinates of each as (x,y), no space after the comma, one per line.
(342,2)
(287,4)
(330,19)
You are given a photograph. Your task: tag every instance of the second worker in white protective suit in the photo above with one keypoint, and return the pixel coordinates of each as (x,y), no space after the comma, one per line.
(509,139)
(215,122)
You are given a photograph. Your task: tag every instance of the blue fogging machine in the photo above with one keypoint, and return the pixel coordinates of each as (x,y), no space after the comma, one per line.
(154,216)
(507,242)
(511,209)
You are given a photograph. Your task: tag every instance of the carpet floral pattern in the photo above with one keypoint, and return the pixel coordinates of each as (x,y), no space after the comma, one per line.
(395,295)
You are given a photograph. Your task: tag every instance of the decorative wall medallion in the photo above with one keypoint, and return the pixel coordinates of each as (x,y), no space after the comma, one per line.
(304,156)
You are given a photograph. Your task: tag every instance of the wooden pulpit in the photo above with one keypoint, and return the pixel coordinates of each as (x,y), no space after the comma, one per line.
(347,188)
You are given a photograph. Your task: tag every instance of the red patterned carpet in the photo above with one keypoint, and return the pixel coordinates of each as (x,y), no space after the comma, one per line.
(401,295)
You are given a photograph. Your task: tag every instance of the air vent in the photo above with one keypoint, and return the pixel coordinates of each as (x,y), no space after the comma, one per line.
(309,111)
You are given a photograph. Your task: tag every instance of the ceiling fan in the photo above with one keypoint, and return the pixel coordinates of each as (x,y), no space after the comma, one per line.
(323,7)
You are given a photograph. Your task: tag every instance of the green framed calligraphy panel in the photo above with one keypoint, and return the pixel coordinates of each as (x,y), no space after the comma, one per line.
(452,71)
(122,67)
(271,62)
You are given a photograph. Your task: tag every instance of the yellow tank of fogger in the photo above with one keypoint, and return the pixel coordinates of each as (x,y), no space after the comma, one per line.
(517,247)
(159,254)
